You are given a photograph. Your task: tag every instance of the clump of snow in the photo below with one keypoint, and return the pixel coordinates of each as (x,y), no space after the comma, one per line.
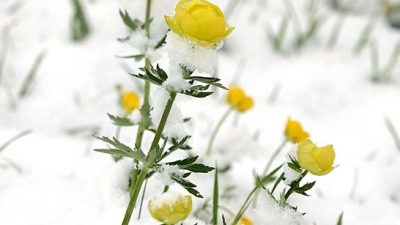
(167,198)
(184,52)
(174,127)
(271,213)
(166,171)
(290,174)
(175,80)
(145,45)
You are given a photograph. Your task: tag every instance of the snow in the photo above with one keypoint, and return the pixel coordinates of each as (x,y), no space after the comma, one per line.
(195,57)
(166,171)
(290,174)
(64,182)
(270,213)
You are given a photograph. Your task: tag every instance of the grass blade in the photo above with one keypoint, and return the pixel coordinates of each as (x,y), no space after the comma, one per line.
(26,85)
(215,198)
(16,137)
(393,132)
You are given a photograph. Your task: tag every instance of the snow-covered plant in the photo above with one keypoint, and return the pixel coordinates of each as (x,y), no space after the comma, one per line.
(198,29)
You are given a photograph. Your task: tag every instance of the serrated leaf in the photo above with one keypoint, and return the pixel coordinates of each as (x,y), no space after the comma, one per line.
(186,161)
(129,22)
(120,121)
(198,168)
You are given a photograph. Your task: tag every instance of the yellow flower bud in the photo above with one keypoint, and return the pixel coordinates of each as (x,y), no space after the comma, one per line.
(245,104)
(199,21)
(317,160)
(235,95)
(130,101)
(245,221)
(238,99)
(170,208)
(294,131)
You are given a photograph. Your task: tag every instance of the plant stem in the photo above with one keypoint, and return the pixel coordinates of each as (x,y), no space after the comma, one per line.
(291,189)
(248,199)
(273,157)
(216,130)
(143,126)
(142,175)
(142,200)
(269,164)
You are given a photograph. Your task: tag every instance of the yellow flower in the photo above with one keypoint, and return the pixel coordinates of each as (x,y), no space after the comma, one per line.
(238,99)
(130,101)
(199,21)
(317,160)
(245,104)
(244,221)
(294,131)
(170,208)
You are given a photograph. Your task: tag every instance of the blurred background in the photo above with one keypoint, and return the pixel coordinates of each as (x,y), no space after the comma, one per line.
(332,64)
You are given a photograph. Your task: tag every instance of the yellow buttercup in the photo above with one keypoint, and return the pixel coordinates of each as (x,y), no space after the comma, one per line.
(199,21)
(318,160)
(170,208)
(238,99)
(294,131)
(130,101)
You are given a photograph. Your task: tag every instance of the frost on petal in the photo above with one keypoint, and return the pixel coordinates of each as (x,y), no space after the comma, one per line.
(271,213)
(189,54)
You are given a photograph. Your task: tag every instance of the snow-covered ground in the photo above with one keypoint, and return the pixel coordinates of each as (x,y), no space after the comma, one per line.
(329,90)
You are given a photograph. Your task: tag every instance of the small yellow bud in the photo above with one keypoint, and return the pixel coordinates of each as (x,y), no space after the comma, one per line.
(199,21)
(245,221)
(318,160)
(294,131)
(170,208)
(245,104)
(238,99)
(235,95)
(130,101)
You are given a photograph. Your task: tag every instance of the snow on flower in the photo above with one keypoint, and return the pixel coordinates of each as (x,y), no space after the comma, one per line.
(190,54)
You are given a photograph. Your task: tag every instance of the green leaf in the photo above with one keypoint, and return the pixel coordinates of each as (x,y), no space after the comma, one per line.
(215,198)
(340,219)
(129,22)
(198,168)
(137,57)
(30,77)
(188,186)
(161,42)
(128,152)
(79,28)
(120,121)
(186,161)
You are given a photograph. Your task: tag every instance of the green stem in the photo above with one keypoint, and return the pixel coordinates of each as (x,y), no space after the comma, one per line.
(142,175)
(216,130)
(249,197)
(142,126)
(269,164)
(292,187)
(142,200)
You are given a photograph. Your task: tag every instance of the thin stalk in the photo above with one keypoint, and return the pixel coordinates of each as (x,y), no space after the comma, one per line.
(268,166)
(273,157)
(142,175)
(291,189)
(142,126)
(246,203)
(387,72)
(142,200)
(216,130)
